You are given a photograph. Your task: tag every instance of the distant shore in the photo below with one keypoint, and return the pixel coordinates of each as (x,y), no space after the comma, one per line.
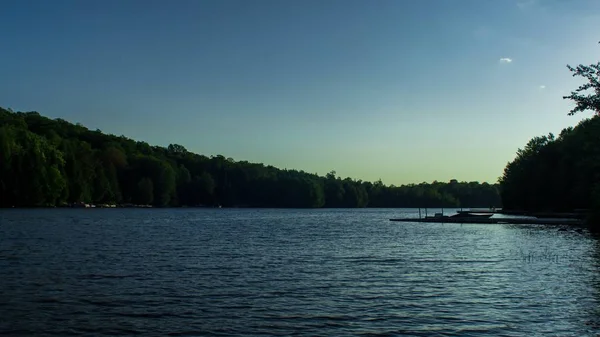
(85,205)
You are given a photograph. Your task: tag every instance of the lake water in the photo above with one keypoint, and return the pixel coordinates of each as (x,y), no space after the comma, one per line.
(229,272)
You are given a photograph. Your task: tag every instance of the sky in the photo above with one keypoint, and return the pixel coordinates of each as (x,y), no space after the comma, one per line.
(403,91)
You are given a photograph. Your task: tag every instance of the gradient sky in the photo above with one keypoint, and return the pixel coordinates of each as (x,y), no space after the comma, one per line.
(406,91)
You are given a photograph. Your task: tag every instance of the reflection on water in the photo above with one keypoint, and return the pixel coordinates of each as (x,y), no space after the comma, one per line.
(282,272)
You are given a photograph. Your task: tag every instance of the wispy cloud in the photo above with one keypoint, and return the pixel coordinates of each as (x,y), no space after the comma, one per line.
(506,60)
(542,87)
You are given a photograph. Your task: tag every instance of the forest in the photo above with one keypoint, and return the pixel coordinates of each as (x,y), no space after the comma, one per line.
(51,162)
(561,173)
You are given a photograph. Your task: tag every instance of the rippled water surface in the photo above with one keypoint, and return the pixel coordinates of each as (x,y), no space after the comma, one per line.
(290,272)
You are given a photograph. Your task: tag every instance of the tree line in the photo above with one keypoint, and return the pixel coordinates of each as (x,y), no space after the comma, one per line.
(51,162)
(561,173)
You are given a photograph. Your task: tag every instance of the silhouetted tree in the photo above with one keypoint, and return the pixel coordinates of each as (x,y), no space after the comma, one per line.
(583,98)
(561,173)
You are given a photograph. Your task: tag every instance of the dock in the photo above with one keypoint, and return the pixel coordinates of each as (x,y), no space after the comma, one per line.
(486,217)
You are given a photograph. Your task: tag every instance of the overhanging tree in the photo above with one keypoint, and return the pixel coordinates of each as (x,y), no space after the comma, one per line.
(587,96)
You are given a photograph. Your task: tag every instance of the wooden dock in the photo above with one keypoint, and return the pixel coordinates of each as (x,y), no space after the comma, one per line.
(487,217)
(477,220)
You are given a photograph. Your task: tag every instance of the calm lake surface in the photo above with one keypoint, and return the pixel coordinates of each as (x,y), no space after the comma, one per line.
(226,272)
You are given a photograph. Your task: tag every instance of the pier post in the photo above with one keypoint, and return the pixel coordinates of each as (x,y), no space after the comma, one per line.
(419,212)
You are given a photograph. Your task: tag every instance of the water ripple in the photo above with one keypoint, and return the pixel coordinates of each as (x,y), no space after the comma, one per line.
(290,273)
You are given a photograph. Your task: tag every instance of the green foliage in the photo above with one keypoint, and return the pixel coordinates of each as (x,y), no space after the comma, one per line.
(49,162)
(160,173)
(145,192)
(31,169)
(80,167)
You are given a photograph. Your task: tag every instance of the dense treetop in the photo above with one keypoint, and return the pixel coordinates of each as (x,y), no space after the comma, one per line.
(46,162)
(555,173)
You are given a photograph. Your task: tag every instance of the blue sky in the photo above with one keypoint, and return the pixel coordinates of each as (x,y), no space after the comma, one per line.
(405,91)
